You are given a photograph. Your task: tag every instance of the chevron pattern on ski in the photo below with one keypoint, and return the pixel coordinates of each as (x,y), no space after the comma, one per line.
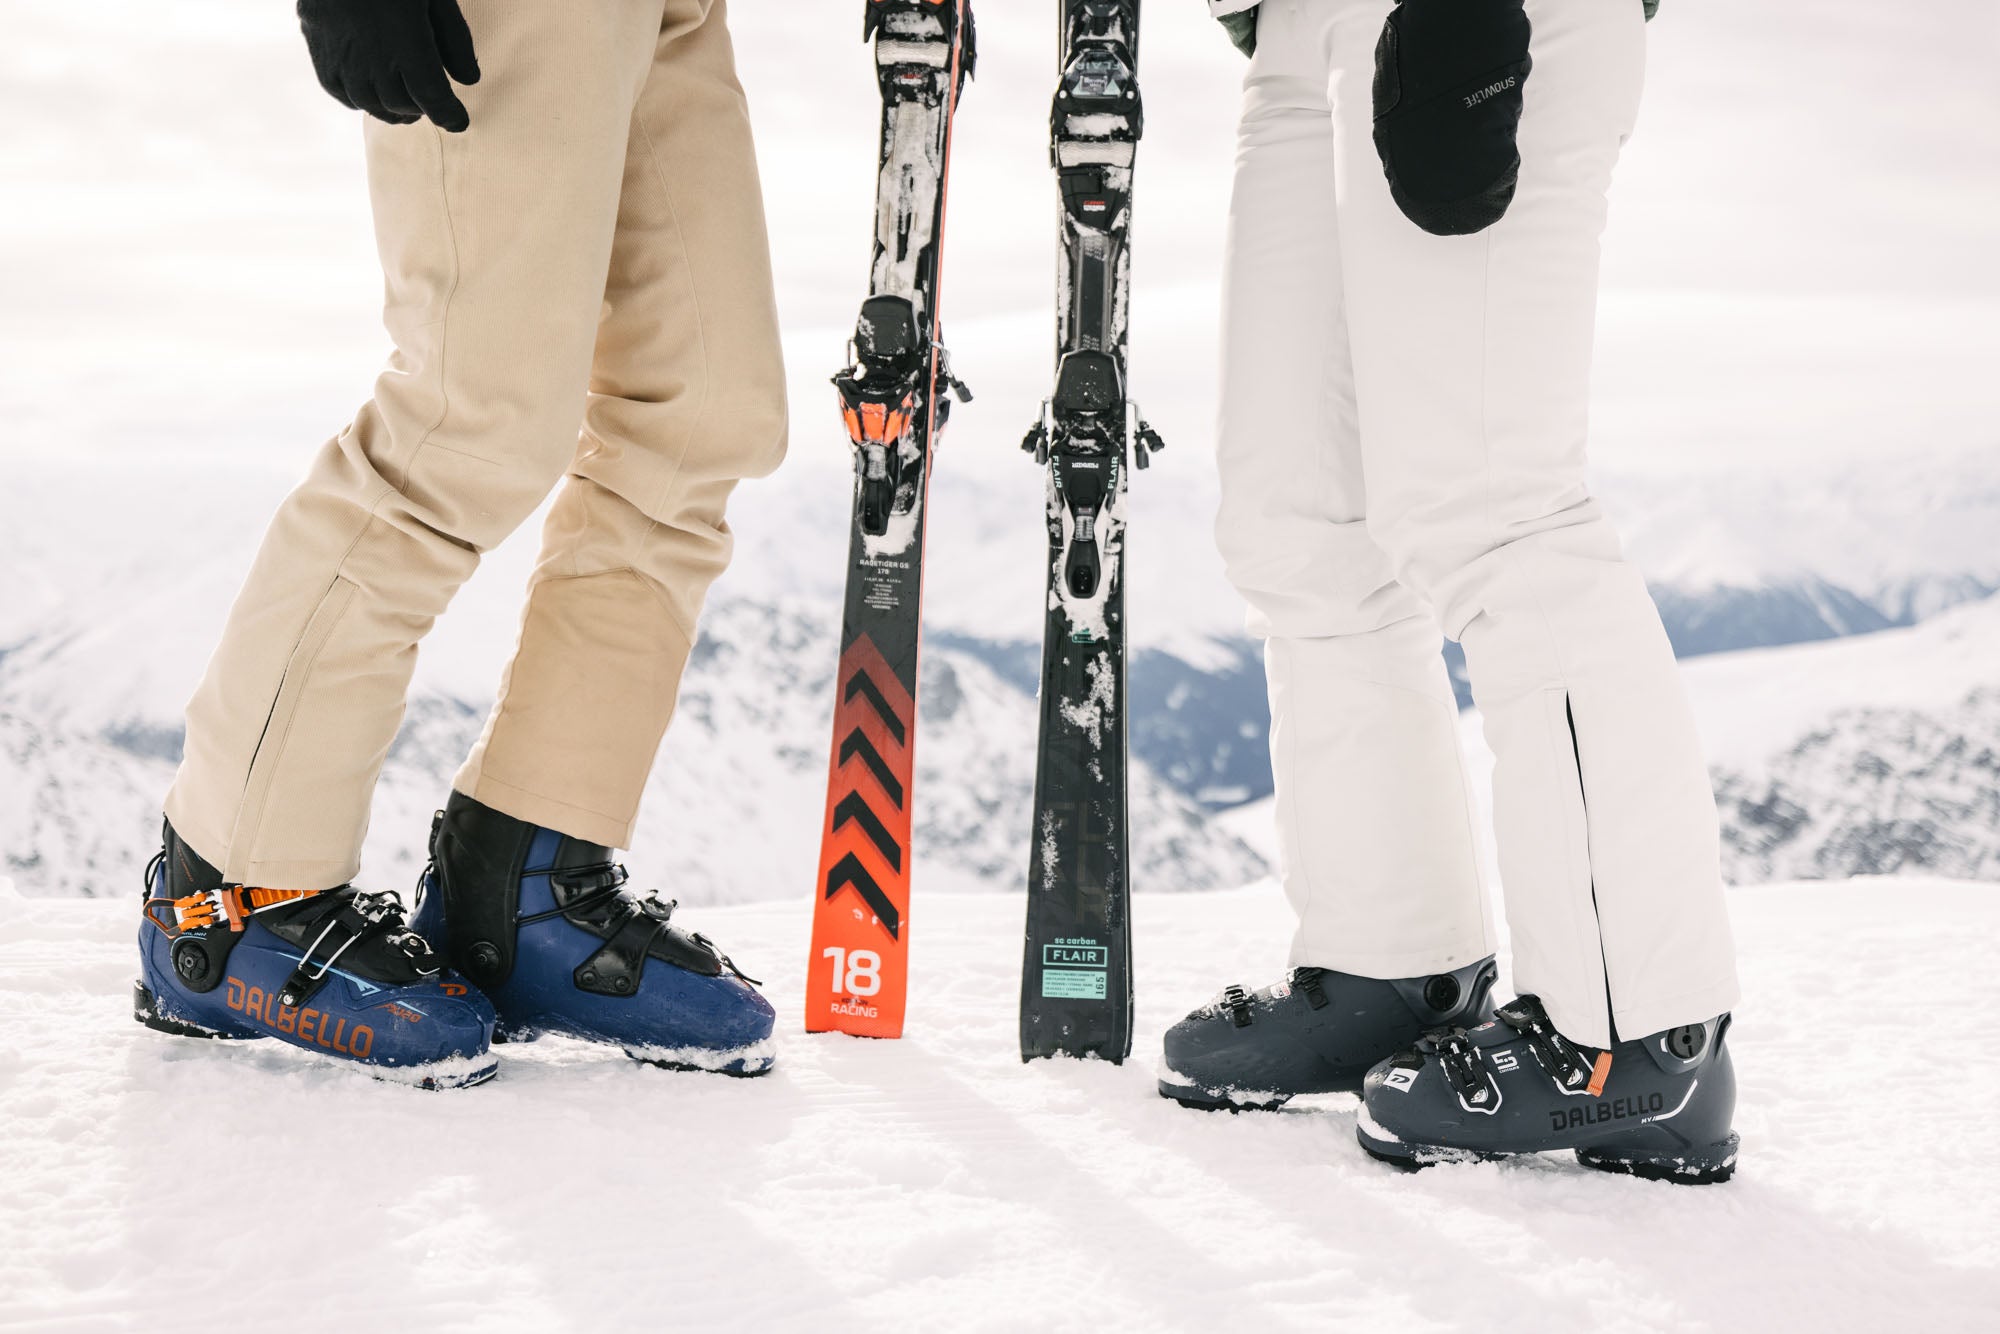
(859,937)
(850,872)
(859,684)
(856,746)
(853,809)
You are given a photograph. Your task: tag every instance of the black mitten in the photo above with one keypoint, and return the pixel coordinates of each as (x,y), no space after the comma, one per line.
(1242,29)
(1448,78)
(394,59)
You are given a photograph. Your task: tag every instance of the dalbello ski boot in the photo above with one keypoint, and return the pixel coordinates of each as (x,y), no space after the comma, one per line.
(1657,1107)
(1317,1031)
(544,925)
(335,972)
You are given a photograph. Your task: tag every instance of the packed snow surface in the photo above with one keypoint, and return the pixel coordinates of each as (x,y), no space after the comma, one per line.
(164,1184)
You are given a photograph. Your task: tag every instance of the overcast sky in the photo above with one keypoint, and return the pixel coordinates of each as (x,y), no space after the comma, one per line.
(1801,265)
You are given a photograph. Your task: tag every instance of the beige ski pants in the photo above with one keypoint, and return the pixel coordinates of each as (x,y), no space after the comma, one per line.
(592,253)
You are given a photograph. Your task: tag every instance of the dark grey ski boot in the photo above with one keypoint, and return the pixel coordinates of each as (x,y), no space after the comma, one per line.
(1317,1031)
(1657,1107)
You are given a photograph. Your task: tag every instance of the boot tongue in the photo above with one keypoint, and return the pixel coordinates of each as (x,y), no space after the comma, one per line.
(573,854)
(187,873)
(581,872)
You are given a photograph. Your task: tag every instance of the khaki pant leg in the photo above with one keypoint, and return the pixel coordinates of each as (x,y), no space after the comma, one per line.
(494,247)
(687,396)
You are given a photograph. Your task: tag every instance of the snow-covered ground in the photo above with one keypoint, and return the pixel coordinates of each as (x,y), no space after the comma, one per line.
(937,1183)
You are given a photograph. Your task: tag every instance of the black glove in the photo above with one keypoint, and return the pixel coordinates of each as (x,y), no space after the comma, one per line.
(1448,77)
(389,58)
(1242,29)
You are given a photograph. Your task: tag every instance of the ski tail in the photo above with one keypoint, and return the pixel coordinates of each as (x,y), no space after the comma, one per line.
(860,946)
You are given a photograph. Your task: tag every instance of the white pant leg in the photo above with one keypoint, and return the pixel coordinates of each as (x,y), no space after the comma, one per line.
(1376,847)
(1471,362)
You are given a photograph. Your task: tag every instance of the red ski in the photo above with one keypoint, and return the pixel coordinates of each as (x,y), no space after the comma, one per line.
(892,398)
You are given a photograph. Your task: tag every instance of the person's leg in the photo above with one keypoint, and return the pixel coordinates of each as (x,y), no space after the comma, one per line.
(495,244)
(687,396)
(1376,849)
(1377,853)
(1472,361)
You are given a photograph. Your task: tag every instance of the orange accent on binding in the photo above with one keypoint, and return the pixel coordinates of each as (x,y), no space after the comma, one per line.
(194,912)
(878,423)
(232,904)
(263,898)
(1599,1072)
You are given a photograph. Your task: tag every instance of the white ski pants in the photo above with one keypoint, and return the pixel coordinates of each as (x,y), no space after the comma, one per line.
(1402,453)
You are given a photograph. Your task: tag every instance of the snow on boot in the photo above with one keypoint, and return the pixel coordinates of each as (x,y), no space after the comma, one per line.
(1656,1107)
(544,925)
(334,971)
(1318,1031)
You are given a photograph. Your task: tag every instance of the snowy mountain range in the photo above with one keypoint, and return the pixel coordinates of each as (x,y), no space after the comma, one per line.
(1860,756)
(1882,756)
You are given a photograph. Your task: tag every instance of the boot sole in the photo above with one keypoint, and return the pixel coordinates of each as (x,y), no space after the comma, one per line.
(736,1063)
(1706,1166)
(1202,1099)
(759,1058)
(459,1072)
(1416,1157)
(726,1071)
(456,1072)
(146,1009)
(1698,1167)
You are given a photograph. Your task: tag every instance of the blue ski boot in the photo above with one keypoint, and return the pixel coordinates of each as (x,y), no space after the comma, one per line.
(1657,1107)
(544,925)
(335,972)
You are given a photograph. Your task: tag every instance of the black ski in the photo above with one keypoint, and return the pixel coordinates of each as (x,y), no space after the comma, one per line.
(1076,979)
(893,396)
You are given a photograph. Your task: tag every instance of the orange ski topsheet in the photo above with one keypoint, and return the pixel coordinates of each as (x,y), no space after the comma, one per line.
(857,975)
